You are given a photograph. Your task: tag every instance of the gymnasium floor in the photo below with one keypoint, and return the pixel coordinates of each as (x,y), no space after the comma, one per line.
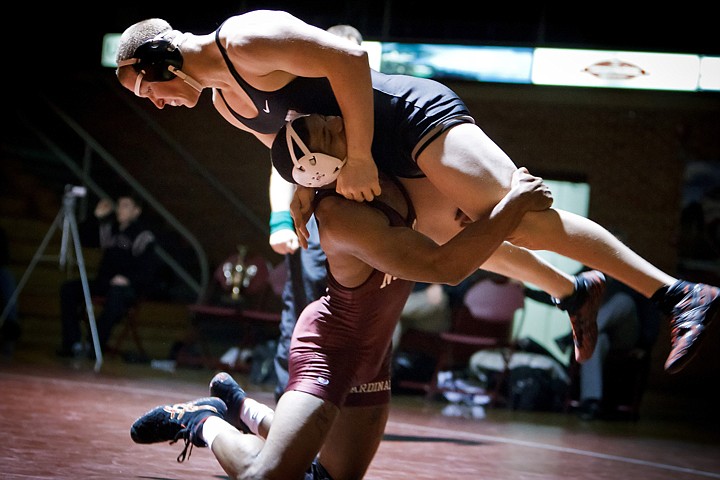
(61,419)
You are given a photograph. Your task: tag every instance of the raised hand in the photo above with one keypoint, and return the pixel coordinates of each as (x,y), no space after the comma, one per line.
(532,189)
(301,209)
(358,180)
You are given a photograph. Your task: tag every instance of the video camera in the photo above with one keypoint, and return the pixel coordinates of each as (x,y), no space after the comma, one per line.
(74,191)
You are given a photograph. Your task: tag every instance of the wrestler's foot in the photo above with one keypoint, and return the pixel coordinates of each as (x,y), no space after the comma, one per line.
(689,320)
(173,422)
(225,387)
(583,306)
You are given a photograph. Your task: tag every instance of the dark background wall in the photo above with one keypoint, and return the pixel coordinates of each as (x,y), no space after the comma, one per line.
(73,34)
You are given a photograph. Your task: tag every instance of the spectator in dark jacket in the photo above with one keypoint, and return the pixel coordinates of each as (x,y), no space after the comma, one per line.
(126,270)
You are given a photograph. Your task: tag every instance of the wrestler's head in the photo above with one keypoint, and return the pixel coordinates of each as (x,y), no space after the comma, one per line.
(149,59)
(310,150)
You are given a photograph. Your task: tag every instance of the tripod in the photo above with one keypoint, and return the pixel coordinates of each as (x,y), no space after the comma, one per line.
(66,218)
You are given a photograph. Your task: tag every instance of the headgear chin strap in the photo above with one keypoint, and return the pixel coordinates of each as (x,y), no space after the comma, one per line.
(313,169)
(159,60)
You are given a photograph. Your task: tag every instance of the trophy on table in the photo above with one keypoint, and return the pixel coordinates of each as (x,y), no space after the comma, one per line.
(238,276)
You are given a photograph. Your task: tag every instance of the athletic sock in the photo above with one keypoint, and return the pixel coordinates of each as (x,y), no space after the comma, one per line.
(665,299)
(252,414)
(573,301)
(214,426)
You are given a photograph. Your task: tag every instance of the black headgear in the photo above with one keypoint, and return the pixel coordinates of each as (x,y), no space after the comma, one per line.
(154,59)
(158,60)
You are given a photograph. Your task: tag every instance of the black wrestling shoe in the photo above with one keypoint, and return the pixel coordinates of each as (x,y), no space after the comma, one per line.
(689,320)
(583,306)
(225,387)
(173,422)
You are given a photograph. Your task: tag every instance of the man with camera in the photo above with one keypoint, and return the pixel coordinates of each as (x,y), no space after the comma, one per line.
(124,273)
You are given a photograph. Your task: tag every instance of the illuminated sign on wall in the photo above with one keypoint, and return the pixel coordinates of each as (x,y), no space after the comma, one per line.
(709,73)
(109,49)
(460,62)
(599,68)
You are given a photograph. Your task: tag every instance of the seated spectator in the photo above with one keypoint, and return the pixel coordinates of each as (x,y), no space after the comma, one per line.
(125,272)
(427,310)
(627,322)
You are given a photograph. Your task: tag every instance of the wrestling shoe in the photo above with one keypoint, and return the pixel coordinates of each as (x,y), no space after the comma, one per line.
(173,422)
(226,388)
(583,306)
(689,320)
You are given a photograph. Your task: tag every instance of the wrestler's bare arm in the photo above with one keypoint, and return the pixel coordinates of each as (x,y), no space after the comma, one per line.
(269,48)
(353,235)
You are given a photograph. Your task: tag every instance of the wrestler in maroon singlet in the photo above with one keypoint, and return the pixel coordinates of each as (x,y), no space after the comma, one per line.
(341,345)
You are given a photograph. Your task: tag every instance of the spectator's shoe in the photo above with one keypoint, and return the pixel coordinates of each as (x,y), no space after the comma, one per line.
(226,388)
(689,320)
(173,422)
(583,306)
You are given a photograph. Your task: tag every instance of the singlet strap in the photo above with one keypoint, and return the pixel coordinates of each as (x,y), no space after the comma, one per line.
(241,81)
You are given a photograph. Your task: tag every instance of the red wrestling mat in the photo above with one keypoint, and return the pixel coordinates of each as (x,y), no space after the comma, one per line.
(65,421)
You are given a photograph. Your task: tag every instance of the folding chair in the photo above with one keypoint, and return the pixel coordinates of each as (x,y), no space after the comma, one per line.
(483,321)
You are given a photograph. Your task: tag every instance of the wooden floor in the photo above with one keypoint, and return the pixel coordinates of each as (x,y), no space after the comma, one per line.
(62,419)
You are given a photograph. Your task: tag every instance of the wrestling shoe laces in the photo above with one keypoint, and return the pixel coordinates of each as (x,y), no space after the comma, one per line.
(689,320)
(582,307)
(226,388)
(173,422)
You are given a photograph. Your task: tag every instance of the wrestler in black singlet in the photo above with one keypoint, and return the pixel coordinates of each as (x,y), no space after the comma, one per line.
(408,110)
(303,95)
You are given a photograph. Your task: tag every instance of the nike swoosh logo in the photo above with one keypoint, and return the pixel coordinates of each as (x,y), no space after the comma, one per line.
(267,108)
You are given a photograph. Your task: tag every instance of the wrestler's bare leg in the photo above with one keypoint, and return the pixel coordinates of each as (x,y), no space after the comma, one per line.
(475,173)
(353,441)
(436,218)
(302,425)
(298,430)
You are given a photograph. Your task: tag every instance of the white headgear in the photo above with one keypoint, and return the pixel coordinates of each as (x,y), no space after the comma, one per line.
(313,169)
